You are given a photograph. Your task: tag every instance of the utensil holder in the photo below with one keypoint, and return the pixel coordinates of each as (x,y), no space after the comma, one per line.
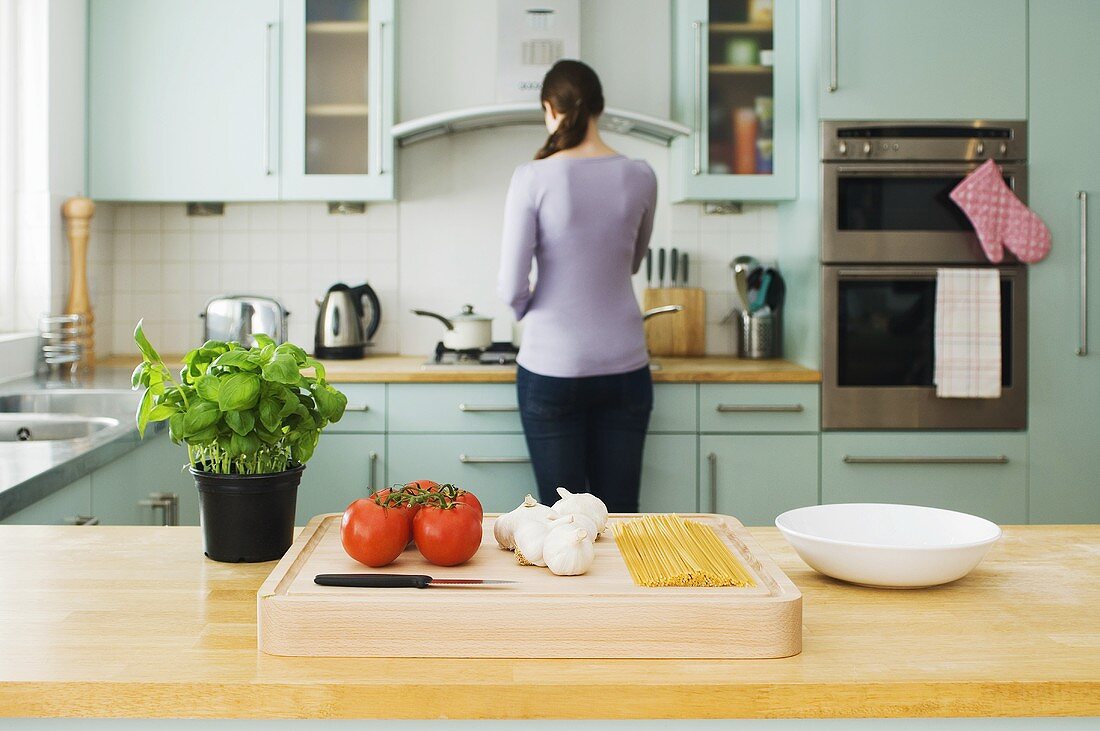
(758,335)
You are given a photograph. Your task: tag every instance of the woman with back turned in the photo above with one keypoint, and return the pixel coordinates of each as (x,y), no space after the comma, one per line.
(584,213)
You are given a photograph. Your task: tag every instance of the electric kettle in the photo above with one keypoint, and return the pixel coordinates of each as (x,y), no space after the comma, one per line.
(347,320)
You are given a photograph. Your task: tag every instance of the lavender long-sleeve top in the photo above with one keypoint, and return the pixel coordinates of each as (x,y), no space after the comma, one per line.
(587,223)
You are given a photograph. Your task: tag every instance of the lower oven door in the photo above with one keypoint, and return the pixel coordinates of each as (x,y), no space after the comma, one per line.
(895,213)
(878,353)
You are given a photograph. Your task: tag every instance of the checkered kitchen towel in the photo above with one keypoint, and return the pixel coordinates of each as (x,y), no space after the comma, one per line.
(968,333)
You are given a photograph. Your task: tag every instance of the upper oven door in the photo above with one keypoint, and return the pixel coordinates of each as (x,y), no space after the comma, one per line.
(900,213)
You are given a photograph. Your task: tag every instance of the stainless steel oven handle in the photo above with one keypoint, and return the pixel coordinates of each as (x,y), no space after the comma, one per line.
(1083,338)
(467,459)
(850,459)
(878,169)
(834,63)
(888,272)
(697,100)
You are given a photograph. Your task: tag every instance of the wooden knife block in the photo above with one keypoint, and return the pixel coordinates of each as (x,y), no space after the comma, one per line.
(677,333)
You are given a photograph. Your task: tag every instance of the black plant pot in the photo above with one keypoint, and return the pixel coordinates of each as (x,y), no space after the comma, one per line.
(247,518)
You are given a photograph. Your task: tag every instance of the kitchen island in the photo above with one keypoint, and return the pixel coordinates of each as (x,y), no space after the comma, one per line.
(134,622)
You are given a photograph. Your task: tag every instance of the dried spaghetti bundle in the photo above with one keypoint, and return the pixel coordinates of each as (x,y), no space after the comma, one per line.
(666,550)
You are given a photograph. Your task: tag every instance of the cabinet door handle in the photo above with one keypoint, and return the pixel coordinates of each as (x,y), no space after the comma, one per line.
(81,520)
(467,459)
(697,99)
(380,120)
(166,502)
(268,28)
(373,486)
(486,408)
(999,459)
(1083,338)
(359,409)
(834,64)
(712,465)
(759,408)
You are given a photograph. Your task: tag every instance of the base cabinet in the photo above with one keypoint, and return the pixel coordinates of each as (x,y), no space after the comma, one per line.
(980,473)
(133,489)
(669,474)
(344,468)
(64,507)
(495,467)
(755,477)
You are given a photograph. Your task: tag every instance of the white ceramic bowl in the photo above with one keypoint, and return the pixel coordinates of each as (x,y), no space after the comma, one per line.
(878,544)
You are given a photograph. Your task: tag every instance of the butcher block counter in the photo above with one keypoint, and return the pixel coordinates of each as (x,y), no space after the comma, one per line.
(411,369)
(134,622)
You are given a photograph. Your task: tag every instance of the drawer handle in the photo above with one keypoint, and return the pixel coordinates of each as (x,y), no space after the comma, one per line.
(359,409)
(81,520)
(467,459)
(485,408)
(712,463)
(759,408)
(999,459)
(373,486)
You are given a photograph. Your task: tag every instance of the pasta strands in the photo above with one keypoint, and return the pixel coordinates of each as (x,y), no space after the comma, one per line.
(666,550)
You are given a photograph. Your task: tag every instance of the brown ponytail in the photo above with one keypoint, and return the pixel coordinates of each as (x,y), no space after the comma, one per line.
(574,91)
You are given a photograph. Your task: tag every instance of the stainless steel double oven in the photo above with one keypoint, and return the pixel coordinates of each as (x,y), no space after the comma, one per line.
(888,225)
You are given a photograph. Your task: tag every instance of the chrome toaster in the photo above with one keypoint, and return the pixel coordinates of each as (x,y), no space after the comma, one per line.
(238,317)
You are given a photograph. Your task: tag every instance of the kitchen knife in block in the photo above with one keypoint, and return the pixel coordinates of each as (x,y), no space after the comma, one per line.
(678,333)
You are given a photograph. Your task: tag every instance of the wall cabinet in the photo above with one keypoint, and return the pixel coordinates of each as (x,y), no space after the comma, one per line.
(1064,188)
(933,59)
(984,473)
(735,85)
(240,101)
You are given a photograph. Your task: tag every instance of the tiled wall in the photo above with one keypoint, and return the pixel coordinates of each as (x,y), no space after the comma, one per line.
(436,249)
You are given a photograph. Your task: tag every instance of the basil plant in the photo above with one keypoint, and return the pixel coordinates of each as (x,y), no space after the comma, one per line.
(243,411)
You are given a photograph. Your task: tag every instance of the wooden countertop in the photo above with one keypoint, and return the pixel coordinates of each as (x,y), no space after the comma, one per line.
(408,369)
(133,621)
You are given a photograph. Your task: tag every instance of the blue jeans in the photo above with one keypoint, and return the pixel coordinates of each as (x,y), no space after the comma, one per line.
(587,434)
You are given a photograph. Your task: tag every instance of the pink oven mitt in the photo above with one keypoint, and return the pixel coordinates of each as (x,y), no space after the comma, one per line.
(1000,218)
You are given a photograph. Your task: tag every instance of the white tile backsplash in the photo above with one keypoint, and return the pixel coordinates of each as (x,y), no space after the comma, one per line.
(436,249)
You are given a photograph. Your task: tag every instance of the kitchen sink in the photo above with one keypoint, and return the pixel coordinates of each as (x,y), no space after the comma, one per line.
(29,427)
(82,402)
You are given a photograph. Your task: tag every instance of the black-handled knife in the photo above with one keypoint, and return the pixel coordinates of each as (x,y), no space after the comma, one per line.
(649,267)
(660,267)
(398,581)
(674,265)
(684,268)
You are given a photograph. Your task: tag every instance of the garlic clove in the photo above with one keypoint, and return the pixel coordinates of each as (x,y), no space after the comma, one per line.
(582,502)
(567,550)
(505,526)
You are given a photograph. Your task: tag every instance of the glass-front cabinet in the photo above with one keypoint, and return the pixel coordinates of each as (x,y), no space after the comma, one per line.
(337,81)
(735,85)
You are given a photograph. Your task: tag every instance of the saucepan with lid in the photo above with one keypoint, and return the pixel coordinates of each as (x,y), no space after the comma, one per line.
(466,330)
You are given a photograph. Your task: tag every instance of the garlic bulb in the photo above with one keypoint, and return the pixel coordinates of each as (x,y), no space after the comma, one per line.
(582,502)
(529,538)
(567,550)
(504,528)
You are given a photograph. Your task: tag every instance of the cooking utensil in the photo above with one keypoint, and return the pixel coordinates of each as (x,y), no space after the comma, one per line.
(684,269)
(762,289)
(345,324)
(399,581)
(742,267)
(674,266)
(661,267)
(878,544)
(465,331)
(239,317)
(649,267)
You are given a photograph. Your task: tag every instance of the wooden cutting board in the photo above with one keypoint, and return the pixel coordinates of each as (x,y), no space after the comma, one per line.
(677,333)
(601,614)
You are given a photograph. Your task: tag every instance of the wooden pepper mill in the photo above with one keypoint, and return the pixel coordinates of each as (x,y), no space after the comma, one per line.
(78,214)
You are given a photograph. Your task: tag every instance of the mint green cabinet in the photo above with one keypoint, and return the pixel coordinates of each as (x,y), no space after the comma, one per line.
(495,467)
(345,467)
(669,474)
(735,85)
(1064,369)
(129,490)
(67,506)
(763,407)
(926,59)
(337,100)
(182,100)
(984,473)
(675,408)
(755,477)
(365,412)
(458,407)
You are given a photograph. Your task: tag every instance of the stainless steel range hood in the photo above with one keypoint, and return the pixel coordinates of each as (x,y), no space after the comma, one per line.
(651,129)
